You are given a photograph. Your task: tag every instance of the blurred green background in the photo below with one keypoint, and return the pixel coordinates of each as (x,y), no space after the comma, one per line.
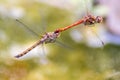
(76,62)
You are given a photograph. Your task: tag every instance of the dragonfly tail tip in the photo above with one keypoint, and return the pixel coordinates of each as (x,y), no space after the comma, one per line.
(17,56)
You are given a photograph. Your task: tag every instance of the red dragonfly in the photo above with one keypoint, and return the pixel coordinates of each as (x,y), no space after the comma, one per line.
(51,37)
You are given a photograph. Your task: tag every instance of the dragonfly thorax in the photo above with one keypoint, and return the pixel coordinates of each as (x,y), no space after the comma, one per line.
(49,37)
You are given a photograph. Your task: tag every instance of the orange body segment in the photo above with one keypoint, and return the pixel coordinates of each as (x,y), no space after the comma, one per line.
(70,26)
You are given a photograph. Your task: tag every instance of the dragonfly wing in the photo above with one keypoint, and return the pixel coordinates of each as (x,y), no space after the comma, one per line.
(43,57)
(92,29)
(63,45)
(26,26)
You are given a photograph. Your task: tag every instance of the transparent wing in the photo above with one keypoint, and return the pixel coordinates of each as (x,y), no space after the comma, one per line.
(92,29)
(88,6)
(26,26)
(98,36)
(63,45)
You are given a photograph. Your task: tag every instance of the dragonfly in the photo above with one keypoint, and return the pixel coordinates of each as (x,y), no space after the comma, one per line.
(50,37)
(87,20)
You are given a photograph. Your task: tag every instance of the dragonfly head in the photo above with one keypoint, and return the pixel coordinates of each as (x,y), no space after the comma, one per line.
(98,19)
